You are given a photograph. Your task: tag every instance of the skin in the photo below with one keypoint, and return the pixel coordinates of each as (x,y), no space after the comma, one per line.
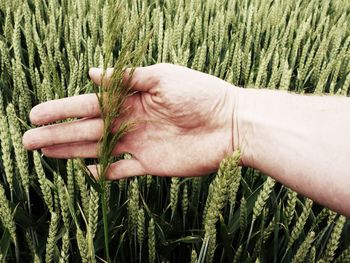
(188,121)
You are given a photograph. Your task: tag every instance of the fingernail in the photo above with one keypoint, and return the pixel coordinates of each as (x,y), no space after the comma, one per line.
(34,115)
(91,70)
(28,141)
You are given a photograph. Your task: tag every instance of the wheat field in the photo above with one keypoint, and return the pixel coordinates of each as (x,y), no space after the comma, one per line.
(50,211)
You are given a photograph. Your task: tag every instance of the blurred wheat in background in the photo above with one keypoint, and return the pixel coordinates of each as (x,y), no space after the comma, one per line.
(50,211)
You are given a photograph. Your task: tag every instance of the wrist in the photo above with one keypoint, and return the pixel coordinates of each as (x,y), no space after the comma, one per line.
(233,95)
(243,119)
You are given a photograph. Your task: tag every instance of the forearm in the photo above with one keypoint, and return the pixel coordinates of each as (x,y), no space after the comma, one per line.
(301,141)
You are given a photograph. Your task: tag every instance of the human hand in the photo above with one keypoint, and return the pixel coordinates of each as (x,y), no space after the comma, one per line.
(184,124)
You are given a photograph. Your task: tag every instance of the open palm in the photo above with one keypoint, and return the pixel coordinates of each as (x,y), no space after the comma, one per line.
(183,124)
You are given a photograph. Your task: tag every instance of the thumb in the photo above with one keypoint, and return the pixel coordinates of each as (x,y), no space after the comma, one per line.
(121,169)
(139,79)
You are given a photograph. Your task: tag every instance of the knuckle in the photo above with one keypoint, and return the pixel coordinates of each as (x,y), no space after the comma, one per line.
(92,108)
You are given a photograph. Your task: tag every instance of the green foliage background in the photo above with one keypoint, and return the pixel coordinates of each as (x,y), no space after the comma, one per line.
(48,209)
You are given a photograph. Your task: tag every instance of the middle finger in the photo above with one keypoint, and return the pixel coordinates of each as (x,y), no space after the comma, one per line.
(62,133)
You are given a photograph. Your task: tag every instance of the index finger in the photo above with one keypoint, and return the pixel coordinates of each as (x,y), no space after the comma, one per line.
(81,106)
(140,79)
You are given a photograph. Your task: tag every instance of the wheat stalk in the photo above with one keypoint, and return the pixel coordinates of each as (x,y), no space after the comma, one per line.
(299,225)
(151,242)
(51,238)
(333,242)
